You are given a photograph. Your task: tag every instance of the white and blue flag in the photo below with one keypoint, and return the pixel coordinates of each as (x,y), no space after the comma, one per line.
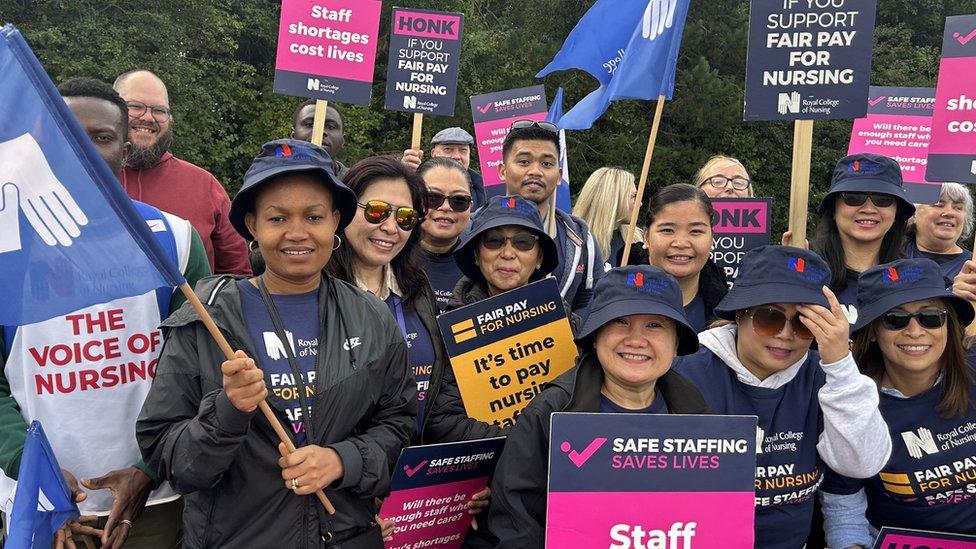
(563,199)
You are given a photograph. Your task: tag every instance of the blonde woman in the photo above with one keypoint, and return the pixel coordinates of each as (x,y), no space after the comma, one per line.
(605,204)
(724,177)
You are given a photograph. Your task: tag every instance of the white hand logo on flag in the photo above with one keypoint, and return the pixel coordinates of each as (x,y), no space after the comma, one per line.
(48,206)
(658,17)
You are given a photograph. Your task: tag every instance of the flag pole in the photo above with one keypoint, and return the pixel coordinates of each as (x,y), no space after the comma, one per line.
(229,353)
(318,124)
(643,179)
(418,126)
(800,181)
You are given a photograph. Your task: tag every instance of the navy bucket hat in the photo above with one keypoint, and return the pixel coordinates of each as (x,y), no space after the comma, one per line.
(498,212)
(776,274)
(866,173)
(884,287)
(286,156)
(639,290)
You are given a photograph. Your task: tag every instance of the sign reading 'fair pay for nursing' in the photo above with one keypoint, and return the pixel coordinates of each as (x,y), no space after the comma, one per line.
(327,50)
(425,53)
(504,348)
(685,481)
(808,59)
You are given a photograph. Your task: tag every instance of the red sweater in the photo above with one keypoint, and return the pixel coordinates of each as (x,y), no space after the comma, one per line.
(191,192)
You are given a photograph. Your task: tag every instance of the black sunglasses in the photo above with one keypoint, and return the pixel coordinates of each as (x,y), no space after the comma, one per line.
(376,212)
(522,124)
(855,200)
(457,202)
(522,242)
(927,318)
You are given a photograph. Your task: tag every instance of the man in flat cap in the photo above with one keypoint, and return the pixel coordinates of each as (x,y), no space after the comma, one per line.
(454,143)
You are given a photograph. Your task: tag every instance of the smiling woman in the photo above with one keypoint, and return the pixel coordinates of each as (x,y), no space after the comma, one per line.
(936,229)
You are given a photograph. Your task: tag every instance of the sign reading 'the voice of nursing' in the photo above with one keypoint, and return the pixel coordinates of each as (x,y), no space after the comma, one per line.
(425,53)
(808,59)
(327,50)
(687,481)
(952,151)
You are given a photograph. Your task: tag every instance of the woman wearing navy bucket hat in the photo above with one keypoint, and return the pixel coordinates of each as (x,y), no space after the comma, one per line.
(863,220)
(909,339)
(635,327)
(814,408)
(329,359)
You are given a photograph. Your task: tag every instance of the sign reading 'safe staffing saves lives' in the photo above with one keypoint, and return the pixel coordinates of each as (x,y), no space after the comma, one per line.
(897,538)
(493,114)
(425,53)
(952,151)
(808,59)
(431,488)
(643,480)
(327,50)
(504,348)
(738,225)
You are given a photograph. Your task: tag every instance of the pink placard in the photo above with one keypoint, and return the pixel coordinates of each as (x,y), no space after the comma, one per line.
(490,136)
(904,138)
(954,115)
(433,516)
(928,541)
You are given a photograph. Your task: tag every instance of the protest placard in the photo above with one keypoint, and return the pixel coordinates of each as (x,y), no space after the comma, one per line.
(899,125)
(505,347)
(688,481)
(327,51)
(493,114)
(738,225)
(952,151)
(808,59)
(425,53)
(899,538)
(431,488)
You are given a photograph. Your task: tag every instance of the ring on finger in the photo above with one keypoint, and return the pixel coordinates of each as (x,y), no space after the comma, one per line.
(295,484)
(127,522)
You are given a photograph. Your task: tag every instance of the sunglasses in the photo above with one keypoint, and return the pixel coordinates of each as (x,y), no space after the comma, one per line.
(522,124)
(927,318)
(522,242)
(720,182)
(376,212)
(457,202)
(855,200)
(767,322)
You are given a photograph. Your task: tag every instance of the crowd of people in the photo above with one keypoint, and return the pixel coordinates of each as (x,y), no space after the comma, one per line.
(845,346)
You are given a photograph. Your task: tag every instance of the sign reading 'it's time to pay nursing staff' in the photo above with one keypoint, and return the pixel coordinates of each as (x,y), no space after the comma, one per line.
(505,347)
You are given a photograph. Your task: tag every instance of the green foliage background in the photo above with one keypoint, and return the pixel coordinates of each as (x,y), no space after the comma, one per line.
(217,57)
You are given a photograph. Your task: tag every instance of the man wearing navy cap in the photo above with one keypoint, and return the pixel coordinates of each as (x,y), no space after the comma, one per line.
(453,143)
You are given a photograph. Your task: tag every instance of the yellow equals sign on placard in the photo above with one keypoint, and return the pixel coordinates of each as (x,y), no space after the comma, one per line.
(464,330)
(897,483)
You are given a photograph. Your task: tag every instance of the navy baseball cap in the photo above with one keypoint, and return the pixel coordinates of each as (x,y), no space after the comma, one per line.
(498,212)
(639,290)
(286,156)
(884,287)
(866,173)
(776,274)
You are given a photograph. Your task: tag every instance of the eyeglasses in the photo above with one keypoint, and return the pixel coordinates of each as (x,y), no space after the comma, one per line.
(856,200)
(523,242)
(137,109)
(768,321)
(376,212)
(927,318)
(720,182)
(457,202)
(523,124)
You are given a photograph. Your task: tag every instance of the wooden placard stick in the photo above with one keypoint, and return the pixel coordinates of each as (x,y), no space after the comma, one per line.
(318,124)
(643,179)
(800,181)
(418,126)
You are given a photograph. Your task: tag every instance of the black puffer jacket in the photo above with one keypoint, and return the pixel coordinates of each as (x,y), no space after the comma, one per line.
(518,490)
(225,462)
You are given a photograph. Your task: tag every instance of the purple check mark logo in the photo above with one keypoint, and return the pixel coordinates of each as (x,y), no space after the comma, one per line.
(964,39)
(485,108)
(413,471)
(876,100)
(580,458)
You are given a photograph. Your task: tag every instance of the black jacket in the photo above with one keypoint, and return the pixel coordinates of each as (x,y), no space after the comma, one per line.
(225,462)
(518,491)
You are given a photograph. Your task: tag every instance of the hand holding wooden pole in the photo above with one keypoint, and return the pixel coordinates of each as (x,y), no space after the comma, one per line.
(318,123)
(218,336)
(643,180)
(800,181)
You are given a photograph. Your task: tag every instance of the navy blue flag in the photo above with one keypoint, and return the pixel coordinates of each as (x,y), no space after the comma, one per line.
(69,235)
(563,201)
(42,503)
(630,46)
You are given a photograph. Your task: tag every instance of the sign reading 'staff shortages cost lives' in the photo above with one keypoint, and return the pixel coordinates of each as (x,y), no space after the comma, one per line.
(493,114)
(327,50)
(504,348)
(738,225)
(808,59)
(425,53)
(644,480)
(952,151)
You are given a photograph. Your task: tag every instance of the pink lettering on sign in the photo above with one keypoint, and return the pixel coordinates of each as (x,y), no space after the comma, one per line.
(740,217)
(427,25)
